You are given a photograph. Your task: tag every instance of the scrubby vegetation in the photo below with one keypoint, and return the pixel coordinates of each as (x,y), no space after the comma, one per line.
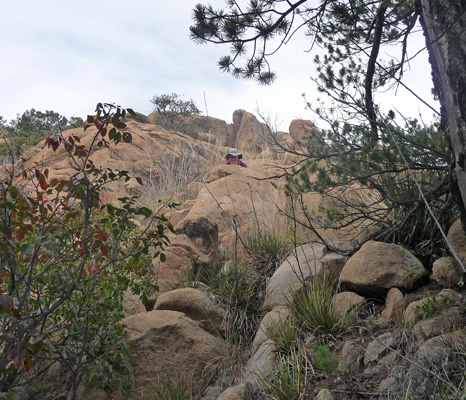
(66,262)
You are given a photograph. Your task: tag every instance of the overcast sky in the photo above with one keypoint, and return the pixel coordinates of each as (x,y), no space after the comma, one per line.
(67,56)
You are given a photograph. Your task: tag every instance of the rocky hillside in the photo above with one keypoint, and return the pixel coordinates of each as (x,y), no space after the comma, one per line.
(388,328)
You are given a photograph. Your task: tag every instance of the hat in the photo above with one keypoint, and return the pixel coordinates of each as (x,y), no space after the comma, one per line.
(234,152)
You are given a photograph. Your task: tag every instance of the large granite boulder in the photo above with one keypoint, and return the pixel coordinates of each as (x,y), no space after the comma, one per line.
(197,305)
(377,267)
(168,344)
(237,199)
(292,274)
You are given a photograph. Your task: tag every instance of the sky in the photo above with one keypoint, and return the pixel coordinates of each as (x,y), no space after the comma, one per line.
(67,56)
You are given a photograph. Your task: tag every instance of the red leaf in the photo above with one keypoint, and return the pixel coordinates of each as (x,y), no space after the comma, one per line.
(19,235)
(102,235)
(27,364)
(98,123)
(104,251)
(43,182)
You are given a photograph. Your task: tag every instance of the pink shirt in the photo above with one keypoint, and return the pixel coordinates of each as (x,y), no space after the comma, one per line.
(242,164)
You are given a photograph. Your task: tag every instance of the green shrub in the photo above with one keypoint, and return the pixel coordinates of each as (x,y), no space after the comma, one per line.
(433,306)
(66,261)
(326,361)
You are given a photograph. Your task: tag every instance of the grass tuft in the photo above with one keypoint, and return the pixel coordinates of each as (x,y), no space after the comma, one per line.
(313,307)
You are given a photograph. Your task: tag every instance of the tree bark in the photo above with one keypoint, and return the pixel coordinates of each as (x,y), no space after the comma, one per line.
(444,26)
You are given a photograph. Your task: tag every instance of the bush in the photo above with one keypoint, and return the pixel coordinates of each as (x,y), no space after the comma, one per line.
(67,260)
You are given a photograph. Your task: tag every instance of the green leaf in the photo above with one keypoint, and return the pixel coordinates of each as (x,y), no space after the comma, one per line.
(127,137)
(26,249)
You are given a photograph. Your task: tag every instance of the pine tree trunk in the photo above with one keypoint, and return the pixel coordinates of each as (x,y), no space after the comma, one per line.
(444,25)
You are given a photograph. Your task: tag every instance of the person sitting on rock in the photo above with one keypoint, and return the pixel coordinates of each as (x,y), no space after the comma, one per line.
(234,158)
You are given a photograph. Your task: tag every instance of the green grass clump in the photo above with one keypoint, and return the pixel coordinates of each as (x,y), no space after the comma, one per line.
(266,250)
(288,381)
(175,390)
(239,290)
(284,334)
(313,307)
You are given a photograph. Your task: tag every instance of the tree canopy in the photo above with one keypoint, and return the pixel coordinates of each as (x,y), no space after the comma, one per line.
(31,127)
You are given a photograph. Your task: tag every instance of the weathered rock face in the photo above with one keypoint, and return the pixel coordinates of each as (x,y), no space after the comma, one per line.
(377,267)
(152,148)
(196,305)
(168,344)
(248,134)
(237,198)
(194,247)
(301,129)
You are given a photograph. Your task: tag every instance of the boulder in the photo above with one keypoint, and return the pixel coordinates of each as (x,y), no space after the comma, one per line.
(346,301)
(302,130)
(457,239)
(192,248)
(132,303)
(412,312)
(352,356)
(447,272)
(437,325)
(239,199)
(197,305)
(168,344)
(247,133)
(270,320)
(261,363)
(238,392)
(395,305)
(293,273)
(324,394)
(377,267)
(378,348)
(439,346)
